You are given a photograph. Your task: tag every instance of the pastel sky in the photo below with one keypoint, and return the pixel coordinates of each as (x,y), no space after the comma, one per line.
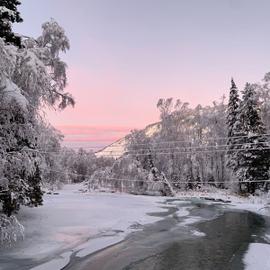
(126,54)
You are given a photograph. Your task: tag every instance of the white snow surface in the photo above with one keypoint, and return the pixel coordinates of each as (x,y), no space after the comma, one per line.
(57,263)
(257,257)
(119,147)
(190,220)
(82,222)
(198,233)
(182,211)
(98,244)
(4,9)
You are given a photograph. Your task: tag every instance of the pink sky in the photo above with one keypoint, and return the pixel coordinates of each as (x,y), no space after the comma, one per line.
(126,54)
(91,137)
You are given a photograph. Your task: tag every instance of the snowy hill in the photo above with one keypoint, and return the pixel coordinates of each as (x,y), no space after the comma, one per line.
(118,148)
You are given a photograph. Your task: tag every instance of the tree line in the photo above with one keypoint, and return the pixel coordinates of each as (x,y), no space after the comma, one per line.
(225,145)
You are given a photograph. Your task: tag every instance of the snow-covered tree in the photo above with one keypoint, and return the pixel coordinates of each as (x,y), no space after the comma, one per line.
(128,175)
(233,127)
(49,141)
(233,110)
(83,165)
(10,230)
(254,157)
(263,92)
(30,77)
(18,133)
(9,15)
(40,72)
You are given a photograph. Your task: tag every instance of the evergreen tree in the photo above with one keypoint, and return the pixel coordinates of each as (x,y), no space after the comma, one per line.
(254,157)
(233,107)
(233,126)
(8,15)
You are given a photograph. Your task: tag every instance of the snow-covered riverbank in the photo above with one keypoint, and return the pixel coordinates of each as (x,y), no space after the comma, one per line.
(256,204)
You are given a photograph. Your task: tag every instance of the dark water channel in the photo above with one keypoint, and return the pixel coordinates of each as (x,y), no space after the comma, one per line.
(221,241)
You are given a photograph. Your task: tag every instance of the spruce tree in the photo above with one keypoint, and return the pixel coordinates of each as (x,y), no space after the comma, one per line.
(9,15)
(232,127)
(254,157)
(233,107)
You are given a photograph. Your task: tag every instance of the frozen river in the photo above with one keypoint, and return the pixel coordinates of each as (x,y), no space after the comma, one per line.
(78,231)
(219,240)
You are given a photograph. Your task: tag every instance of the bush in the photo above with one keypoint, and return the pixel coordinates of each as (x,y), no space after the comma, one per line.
(10,230)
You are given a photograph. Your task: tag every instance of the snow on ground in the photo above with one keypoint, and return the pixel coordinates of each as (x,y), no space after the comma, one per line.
(57,263)
(98,244)
(257,257)
(82,222)
(190,220)
(183,211)
(198,233)
(119,147)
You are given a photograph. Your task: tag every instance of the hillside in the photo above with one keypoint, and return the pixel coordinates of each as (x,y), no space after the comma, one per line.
(118,148)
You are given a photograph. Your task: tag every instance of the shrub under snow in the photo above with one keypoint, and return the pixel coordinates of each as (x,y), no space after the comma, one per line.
(10,230)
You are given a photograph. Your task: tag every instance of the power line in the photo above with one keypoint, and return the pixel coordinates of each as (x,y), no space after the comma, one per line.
(154,151)
(182,147)
(185,141)
(185,182)
(206,139)
(163,181)
(187,152)
(169,142)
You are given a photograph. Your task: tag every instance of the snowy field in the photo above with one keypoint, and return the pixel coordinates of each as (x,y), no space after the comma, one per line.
(72,221)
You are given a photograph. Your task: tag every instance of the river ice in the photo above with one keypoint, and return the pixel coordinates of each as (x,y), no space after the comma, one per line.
(79,222)
(83,223)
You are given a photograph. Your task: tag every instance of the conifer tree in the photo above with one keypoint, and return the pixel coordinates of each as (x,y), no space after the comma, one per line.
(254,157)
(232,126)
(9,15)
(232,108)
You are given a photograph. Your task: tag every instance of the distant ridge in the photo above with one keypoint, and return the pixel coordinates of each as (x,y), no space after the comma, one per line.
(118,148)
